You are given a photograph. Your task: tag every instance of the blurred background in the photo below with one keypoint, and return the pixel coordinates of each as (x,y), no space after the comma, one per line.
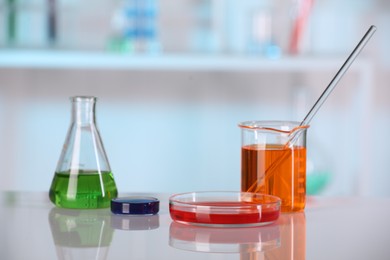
(174,78)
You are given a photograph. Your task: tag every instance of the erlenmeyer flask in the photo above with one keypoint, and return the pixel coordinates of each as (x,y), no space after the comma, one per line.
(83,178)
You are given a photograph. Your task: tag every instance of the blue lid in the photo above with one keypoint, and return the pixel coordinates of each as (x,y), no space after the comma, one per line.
(135,205)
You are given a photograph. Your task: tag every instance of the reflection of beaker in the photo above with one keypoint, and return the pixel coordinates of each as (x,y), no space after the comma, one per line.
(81,234)
(292,238)
(83,178)
(223,240)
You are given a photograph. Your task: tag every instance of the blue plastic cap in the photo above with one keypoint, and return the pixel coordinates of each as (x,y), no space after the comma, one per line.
(136,205)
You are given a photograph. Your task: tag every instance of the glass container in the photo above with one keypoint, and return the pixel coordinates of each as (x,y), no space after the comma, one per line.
(273,161)
(81,234)
(243,240)
(83,178)
(224,208)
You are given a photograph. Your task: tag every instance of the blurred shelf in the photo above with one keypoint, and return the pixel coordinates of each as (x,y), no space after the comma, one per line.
(37,59)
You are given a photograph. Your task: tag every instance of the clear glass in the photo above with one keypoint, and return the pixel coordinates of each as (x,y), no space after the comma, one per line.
(242,240)
(292,240)
(224,208)
(81,234)
(273,161)
(83,178)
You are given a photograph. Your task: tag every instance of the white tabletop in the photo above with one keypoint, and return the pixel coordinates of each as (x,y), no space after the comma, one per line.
(330,228)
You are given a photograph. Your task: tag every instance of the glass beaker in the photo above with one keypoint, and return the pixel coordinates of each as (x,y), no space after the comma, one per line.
(83,178)
(273,161)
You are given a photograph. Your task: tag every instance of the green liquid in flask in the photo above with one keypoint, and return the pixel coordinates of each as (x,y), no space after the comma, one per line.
(84,190)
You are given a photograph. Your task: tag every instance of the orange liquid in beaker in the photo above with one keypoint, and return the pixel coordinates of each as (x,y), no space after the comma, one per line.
(278,171)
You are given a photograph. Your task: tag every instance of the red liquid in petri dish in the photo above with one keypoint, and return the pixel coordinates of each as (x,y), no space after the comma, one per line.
(224,213)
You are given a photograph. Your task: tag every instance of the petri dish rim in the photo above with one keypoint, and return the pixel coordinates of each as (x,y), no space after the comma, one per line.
(174,199)
(192,202)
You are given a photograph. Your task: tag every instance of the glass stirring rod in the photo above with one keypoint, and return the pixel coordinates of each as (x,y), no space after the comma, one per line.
(317,105)
(320,101)
(339,75)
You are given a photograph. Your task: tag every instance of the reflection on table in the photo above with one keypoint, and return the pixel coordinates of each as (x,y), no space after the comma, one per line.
(81,234)
(292,240)
(284,239)
(87,234)
(223,240)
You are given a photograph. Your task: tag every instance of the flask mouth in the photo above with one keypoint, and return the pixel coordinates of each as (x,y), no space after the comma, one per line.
(82,98)
(83,109)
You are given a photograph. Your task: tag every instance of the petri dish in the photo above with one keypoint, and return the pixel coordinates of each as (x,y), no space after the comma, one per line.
(224,208)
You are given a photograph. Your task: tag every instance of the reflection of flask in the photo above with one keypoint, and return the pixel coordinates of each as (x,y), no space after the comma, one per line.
(81,234)
(83,178)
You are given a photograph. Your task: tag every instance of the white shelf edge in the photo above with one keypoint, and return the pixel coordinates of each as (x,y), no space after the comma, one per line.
(99,60)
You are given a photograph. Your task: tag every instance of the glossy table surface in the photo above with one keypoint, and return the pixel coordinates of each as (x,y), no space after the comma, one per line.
(330,228)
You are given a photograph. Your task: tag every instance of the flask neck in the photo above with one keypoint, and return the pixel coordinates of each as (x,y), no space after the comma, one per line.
(83,110)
